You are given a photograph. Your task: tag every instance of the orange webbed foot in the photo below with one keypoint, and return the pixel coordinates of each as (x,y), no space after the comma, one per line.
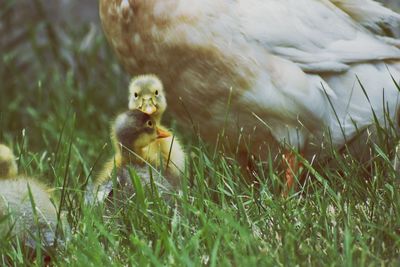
(293,169)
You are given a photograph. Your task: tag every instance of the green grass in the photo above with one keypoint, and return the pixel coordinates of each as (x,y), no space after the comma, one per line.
(57,120)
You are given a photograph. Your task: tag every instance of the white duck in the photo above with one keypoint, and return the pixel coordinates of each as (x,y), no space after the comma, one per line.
(372,15)
(289,67)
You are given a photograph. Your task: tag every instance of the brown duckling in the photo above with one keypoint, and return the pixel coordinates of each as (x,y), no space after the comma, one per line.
(131,132)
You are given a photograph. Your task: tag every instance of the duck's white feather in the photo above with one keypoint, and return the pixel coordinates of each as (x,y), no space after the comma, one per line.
(371,14)
(314,34)
(319,38)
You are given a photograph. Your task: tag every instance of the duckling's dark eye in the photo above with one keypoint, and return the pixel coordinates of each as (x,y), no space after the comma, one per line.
(150,124)
(136,95)
(156,92)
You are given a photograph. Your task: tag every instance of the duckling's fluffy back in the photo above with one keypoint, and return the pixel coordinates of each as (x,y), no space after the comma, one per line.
(8,166)
(16,203)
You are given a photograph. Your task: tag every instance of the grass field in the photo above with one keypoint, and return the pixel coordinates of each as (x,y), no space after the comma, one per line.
(56,118)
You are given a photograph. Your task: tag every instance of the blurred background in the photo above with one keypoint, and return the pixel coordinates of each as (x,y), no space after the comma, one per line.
(60,85)
(53,53)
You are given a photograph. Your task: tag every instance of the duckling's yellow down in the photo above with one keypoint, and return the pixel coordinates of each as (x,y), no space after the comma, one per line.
(25,203)
(166,153)
(8,166)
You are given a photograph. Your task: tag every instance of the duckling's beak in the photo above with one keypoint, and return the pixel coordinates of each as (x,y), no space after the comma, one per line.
(149,110)
(148,107)
(162,134)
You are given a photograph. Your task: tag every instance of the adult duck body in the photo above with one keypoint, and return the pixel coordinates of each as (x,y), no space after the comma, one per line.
(267,71)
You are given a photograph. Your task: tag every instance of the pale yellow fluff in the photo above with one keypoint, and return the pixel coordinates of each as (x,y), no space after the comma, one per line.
(20,209)
(8,166)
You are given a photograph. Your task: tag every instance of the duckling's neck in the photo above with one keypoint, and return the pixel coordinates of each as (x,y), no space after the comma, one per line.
(157,118)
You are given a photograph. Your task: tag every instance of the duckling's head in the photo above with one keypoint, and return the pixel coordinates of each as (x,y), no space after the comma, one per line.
(135,129)
(146,93)
(8,166)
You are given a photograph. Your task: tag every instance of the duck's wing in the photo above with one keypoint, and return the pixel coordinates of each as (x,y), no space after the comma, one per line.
(315,34)
(371,14)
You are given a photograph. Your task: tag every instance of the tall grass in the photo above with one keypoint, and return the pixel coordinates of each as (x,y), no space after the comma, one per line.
(56,117)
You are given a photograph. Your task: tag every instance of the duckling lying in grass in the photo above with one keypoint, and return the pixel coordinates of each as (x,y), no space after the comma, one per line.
(146,93)
(131,133)
(26,209)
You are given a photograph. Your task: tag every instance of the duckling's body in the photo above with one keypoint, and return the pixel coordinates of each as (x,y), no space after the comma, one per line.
(23,221)
(167,154)
(131,133)
(146,93)
(116,182)
(18,196)
(8,166)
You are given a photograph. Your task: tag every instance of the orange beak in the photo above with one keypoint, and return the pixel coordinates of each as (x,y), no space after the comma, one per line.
(162,133)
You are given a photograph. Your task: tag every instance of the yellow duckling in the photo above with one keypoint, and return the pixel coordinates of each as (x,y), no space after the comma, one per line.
(26,208)
(146,93)
(17,205)
(8,166)
(131,133)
